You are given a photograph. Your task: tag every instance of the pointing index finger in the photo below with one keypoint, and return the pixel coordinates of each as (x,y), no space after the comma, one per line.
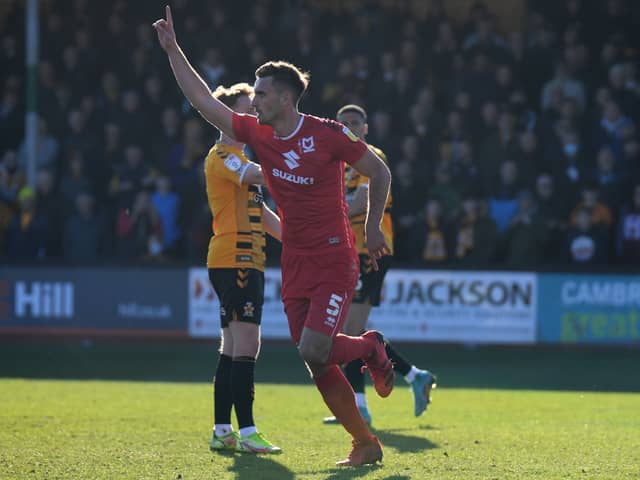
(169,17)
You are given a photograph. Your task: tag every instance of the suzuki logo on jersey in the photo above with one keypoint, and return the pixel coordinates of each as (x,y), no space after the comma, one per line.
(44,299)
(291,159)
(307,145)
(290,177)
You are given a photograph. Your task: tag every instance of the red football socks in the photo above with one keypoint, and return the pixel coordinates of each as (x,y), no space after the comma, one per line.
(339,397)
(347,348)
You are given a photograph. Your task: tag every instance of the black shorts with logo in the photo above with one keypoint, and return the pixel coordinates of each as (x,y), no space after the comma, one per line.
(241,294)
(370,281)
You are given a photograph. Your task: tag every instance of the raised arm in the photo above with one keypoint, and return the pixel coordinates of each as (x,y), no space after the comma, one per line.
(372,166)
(191,84)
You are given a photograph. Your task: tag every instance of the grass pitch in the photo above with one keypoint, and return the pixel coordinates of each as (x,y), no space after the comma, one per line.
(73,412)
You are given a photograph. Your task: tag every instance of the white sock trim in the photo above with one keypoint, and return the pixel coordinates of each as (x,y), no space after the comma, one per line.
(246,431)
(411,376)
(361,400)
(222,429)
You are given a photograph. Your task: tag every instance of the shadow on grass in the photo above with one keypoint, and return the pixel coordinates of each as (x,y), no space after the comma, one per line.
(345,473)
(246,465)
(404,443)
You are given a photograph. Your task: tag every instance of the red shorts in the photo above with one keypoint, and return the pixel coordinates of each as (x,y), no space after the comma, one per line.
(317,291)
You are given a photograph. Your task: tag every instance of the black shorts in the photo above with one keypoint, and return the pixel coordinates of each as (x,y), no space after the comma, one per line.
(241,294)
(370,281)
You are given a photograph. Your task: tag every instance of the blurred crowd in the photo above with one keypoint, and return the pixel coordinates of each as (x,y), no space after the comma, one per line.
(509,148)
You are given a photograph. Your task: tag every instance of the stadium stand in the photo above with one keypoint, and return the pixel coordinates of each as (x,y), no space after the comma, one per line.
(512,144)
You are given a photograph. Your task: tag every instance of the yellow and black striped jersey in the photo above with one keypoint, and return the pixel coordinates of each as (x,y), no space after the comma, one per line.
(353,180)
(238,239)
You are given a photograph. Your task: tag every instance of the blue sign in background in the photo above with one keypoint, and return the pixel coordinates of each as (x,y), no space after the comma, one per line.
(93,299)
(595,309)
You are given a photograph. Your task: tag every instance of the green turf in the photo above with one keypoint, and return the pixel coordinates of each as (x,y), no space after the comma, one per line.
(518,423)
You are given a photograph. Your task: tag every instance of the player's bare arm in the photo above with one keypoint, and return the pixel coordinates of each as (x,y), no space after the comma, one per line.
(373,167)
(271,223)
(191,84)
(359,201)
(253,175)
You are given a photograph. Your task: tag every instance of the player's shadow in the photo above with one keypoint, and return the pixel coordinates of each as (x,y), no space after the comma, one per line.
(245,466)
(404,443)
(347,473)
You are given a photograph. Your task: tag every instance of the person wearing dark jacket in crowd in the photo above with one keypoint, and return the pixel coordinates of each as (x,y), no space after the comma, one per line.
(628,235)
(84,232)
(586,243)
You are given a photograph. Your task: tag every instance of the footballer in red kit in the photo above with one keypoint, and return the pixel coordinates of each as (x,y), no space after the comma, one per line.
(302,158)
(304,172)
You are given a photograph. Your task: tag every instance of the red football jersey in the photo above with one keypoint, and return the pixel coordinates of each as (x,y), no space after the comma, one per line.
(305,175)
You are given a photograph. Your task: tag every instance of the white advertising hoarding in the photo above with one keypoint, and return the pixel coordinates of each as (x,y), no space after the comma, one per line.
(445,306)
(435,306)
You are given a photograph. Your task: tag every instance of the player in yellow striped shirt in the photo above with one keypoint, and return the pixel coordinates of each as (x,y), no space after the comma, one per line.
(236,261)
(370,281)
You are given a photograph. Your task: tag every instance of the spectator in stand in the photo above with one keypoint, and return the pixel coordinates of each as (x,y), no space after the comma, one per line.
(612,184)
(52,207)
(600,214)
(130,177)
(84,232)
(111,153)
(186,158)
(419,165)
(406,195)
(465,173)
(167,204)
(46,150)
(382,132)
(27,232)
(612,127)
(446,193)
(75,180)
(475,235)
(12,178)
(526,236)
(498,148)
(195,220)
(567,86)
(632,158)
(628,235)
(132,119)
(624,87)
(571,170)
(586,243)
(528,161)
(430,242)
(11,117)
(11,181)
(108,98)
(553,213)
(503,204)
(79,137)
(153,100)
(168,140)
(454,130)
(139,229)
